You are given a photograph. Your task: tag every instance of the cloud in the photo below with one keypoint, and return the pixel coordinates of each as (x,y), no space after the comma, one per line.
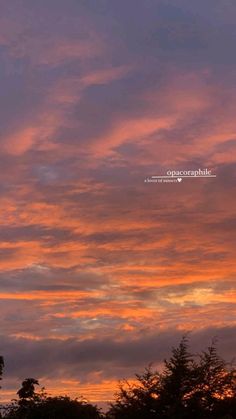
(74,360)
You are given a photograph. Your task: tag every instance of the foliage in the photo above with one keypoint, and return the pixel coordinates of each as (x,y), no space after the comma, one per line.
(202,387)
(32,405)
(138,401)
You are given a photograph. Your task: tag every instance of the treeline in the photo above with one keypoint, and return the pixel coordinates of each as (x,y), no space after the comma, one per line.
(188,387)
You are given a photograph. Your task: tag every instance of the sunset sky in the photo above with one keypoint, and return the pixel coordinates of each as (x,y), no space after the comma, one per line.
(101,273)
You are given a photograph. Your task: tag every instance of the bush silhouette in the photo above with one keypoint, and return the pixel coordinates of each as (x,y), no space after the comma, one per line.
(33,405)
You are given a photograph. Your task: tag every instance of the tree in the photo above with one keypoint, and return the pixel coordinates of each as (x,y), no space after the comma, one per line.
(63,407)
(196,387)
(27,391)
(139,401)
(33,405)
(27,400)
(215,389)
(177,382)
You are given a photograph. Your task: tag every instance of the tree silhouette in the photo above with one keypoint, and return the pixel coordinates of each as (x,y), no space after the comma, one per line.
(177,382)
(63,407)
(139,401)
(215,389)
(27,391)
(196,387)
(32,405)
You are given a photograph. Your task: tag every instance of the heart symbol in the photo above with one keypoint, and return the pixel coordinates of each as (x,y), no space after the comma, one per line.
(179,179)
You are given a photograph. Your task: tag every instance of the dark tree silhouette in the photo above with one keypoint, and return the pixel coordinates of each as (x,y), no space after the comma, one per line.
(196,387)
(33,405)
(215,388)
(177,382)
(27,391)
(139,401)
(64,408)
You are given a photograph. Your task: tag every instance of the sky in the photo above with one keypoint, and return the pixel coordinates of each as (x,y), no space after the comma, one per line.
(100,272)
